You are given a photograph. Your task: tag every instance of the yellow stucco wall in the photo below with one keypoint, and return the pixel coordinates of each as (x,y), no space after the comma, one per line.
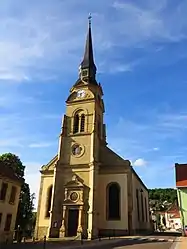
(47,182)
(85,140)
(7,208)
(88,109)
(139,225)
(104,180)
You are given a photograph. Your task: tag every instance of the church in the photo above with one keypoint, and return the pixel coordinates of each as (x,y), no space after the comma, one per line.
(87,188)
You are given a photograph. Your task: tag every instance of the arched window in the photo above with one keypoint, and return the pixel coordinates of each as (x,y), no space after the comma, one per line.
(113,201)
(137,204)
(48,201)
(76,124)
(82,122)
(79,121)
(142,206)
(146,217)
(99,128)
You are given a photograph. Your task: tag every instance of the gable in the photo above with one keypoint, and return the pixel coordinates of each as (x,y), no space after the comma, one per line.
(75,182)
(51,164)
(73,96)
(79,82)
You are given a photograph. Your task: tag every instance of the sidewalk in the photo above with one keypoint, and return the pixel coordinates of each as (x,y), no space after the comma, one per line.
(182,243)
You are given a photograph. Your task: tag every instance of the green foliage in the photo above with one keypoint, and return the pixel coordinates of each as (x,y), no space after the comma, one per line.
(13,162)
(25,207)
(160,199)
(163,194)
(33,223)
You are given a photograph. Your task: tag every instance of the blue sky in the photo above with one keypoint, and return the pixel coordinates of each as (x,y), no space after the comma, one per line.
(140,53)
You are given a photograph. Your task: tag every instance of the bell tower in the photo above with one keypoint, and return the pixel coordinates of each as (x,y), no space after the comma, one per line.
(83,128)
(82,135)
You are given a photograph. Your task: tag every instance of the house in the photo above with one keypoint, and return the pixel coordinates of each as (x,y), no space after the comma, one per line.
(87,188)
(10,187)
(181,184)
(168,219)
(172,218)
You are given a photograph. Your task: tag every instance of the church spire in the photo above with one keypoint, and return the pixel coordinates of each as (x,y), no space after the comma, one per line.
(87,66)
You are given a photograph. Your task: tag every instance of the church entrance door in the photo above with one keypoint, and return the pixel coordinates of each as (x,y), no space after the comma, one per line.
(73,216)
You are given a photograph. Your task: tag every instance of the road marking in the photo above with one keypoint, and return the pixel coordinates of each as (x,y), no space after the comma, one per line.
(170,240)
(152,239)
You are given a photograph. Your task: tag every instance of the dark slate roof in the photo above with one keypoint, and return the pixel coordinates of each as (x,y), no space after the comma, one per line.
(9,173)
(88,59)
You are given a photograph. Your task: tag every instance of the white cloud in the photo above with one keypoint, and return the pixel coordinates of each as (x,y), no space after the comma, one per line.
(134,140)
(32,40)
(51,116)
(150,22)
(34,182)
(13,98)
(32,165)
(158,125)
(13,142)
(40,145)
(155,148)
(139,162)
(32,176)
(173,120)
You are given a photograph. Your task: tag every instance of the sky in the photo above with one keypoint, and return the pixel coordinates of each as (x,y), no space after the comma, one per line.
(141,57)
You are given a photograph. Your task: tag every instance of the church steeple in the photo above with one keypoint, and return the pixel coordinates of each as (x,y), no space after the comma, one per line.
(87,66)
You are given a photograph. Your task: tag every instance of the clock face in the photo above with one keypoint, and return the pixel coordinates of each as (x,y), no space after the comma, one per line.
(76,149)
(74,196)
(81,94)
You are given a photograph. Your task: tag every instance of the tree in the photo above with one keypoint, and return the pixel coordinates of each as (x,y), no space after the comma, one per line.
(25,207)
(160,199)
(13,162)
(163,194)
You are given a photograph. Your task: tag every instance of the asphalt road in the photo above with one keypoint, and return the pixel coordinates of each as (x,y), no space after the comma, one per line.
(151,242)
(147,242)
(133,245)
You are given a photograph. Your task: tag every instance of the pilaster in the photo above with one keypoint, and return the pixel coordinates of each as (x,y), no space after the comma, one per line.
(56,205)
(39,207)
(63,228)
(79,230)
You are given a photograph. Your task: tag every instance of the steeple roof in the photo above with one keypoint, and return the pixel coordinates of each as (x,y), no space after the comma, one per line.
(87,68)
(88,59)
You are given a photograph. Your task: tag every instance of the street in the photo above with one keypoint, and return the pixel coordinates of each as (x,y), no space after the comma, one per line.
(146,242)
(158,242)
(137,244)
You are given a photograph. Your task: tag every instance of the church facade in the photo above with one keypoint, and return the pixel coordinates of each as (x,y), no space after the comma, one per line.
(87,188)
